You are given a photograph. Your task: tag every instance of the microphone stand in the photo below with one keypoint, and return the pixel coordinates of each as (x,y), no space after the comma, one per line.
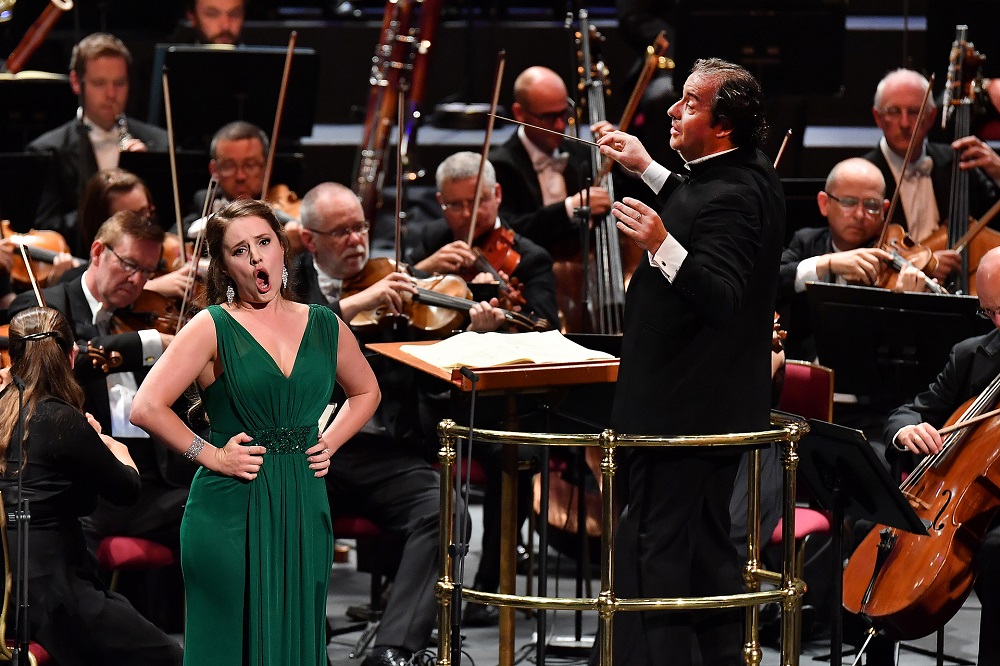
(20,517)
(460,547)
(581,218)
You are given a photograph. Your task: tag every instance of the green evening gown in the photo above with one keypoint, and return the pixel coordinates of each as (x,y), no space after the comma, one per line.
(256,555)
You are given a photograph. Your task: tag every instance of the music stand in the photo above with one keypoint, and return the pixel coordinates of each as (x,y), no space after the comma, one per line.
(213,85)
(887,346)
(32,103)
(847,478)
(22,178)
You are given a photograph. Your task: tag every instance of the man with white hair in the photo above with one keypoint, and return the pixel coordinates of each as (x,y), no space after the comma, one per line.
(926,186)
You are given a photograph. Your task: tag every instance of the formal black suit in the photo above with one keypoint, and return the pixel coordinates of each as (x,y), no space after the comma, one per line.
(973,365)
(72,167)
(157,514)
(805,244)
(695,359)
(983,193)
(380,474)
(538,283)
(522,194)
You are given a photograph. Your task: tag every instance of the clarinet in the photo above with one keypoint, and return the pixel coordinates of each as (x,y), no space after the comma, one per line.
(121,122)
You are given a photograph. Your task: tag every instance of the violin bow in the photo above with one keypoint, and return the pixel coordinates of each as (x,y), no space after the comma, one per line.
(172,152)
(906,162)
(277,113)
(210,194)
(497,81)
(31,276)
(400,112)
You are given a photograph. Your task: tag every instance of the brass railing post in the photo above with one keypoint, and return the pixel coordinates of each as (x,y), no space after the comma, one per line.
(445,587)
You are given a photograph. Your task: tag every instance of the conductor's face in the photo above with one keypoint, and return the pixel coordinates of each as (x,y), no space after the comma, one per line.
(217,21)
(692,133)
(239,168)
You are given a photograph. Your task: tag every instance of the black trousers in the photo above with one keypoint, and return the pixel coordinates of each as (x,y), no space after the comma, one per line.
(400,492)
(673,541)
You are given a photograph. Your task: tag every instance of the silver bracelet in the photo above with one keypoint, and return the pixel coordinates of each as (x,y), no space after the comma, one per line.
(197,444)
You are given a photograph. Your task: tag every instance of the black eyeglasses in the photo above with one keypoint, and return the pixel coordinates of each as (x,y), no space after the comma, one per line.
(871,206)
(130,267)
(988,313)
(341,233)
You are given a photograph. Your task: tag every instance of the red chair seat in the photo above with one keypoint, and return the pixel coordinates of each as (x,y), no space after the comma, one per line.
(354,527)
(807,521)
(37,651)
(477,475)
(124,552)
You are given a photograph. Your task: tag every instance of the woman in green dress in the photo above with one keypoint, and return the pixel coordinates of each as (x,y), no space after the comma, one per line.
(256,539)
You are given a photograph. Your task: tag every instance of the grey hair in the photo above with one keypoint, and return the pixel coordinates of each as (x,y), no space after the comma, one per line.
(910,76)
(464,165)
(308,215)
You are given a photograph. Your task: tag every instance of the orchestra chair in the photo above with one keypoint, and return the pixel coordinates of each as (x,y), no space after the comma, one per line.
(119,553)
(37,656)
(372,548)
(807,392)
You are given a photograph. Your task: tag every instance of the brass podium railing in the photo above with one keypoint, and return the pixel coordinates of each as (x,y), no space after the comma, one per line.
(788,590)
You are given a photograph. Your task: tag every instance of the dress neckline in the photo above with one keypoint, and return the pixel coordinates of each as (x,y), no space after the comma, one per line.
(298,350)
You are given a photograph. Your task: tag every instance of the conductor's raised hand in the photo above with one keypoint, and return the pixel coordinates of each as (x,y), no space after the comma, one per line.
(625,149)
(640,223)
(236,459)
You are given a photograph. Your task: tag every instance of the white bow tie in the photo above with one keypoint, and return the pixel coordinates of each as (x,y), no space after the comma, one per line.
(555,162)
(919,169)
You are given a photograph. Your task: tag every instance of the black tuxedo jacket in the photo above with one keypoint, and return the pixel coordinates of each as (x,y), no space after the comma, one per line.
(696,352)
(522,195)
(72,167)
(534,272)
(983,193)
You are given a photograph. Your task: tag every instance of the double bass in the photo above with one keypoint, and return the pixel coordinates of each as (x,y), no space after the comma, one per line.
(962,90)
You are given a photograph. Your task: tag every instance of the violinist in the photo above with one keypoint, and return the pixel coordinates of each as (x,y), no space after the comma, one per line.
(913,429)
(123,255)
(853,203)
(238,154)
(99,76)
(108,192)
(378,472)
(438,246)
(540,173)
(927,180)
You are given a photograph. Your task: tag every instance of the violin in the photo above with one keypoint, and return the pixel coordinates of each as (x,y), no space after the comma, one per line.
(150,311)
(283,198)
(440,305)
(913,584)
(907,252)
(42,248)
(495,253)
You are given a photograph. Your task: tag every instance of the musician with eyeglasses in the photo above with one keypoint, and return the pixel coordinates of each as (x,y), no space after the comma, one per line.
(238,155)
(854,205)
(925,190)
(123,257)
(540,173)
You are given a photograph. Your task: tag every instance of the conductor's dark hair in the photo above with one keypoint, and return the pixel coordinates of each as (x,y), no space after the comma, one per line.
(738,101)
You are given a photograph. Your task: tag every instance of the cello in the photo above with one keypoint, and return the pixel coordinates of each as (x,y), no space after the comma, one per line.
(910,584)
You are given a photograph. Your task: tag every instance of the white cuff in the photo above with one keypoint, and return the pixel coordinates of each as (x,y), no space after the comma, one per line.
(655,176)
(669,257)
(152,346)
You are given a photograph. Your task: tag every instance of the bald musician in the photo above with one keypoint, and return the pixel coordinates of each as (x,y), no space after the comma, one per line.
(541,174)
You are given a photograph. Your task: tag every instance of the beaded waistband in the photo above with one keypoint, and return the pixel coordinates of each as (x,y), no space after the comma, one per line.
(282,440)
